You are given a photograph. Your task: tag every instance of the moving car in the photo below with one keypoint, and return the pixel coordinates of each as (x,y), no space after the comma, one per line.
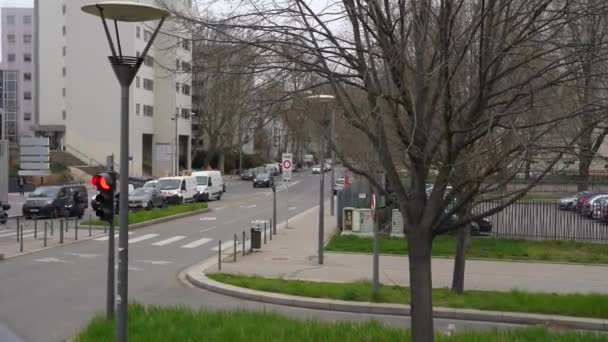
(327,167)
(263,180)
(56,201)
(209,184)
(146,198)
(338,185)
(274,169)
(316,169)
(3,215)
(247,174)
(181,189)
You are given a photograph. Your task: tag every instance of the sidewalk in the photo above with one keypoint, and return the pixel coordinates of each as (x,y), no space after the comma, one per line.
(293,255)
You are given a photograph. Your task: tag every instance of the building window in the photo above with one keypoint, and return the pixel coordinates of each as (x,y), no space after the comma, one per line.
(186,67)
(186,44)
(147,35)
(27,57)
(148,110)
(27,95)
(137,81)
(177,87)
(11,57)
(27,76)
(185,89)
(63,9)
(137,108)
(27,116)
(64,30)
(149,61)
(64,51)
(64,71)
(64,114)
(185,113)
(27,20)
(10,19)
(27,39)
(148,84)
(177,64)
(10,38)
(137,31)
(63,92)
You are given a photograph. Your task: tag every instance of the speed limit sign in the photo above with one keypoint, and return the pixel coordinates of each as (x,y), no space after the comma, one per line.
(287,165)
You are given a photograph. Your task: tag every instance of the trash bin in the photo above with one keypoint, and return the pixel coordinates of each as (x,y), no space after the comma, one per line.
(256,238)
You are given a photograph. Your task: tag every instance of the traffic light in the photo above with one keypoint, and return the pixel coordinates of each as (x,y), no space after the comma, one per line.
(106,187)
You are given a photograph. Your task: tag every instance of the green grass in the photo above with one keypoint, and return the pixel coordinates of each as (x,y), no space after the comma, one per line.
(147,215)
(164,324)
(483,247)
(578,305)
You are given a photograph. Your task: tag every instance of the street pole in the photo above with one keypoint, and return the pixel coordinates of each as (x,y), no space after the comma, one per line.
(332,164)
(321,190)
(376,251)
(274,208)
(240,147)
(176,149)
(110,289)
(123,205)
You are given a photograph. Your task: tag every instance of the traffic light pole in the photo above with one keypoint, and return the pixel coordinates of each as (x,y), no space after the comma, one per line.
(110,286)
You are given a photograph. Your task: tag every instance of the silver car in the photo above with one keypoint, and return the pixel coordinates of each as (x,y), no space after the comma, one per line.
(146,198)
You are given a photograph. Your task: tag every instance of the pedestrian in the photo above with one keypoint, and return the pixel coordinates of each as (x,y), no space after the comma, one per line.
(21,185)
(76,203)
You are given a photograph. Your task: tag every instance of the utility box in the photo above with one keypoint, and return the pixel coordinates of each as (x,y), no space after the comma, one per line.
(347,221)
(356,221)
(366,225)
(397,224)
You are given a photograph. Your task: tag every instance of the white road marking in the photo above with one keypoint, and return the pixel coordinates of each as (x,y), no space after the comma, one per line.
(226,245)
(84,255)
(248,206)
(197,243)
(169,240)
(54,260)
(107,237)
(154,262)
(208,229)
(292,208)
(206,218)
(131,268)
(15,233)
(220,208)
(142,238)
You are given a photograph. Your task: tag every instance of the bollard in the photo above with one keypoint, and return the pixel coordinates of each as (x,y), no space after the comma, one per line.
(52,224)
(66,223)
(243,243)
(105,227)
(35,227)
(45,225)
(273,226)
(269,230)
(61,231)
(89,224)
(219,255)
(17,228)
(76,229)
(264,232)
(21,240)
(234,247)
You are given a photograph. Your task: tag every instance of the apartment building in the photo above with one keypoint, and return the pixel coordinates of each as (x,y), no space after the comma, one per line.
(17,66)
(79,102)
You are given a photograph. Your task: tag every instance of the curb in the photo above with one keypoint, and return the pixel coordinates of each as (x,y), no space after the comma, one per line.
(196,276)
(131,227)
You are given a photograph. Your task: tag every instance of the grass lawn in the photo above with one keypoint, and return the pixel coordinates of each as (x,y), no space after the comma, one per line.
(181,324)
(483,247)
(147,215)
(579,305)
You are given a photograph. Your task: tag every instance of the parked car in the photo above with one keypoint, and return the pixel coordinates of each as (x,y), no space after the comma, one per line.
(263,180)
(326,167)
(481,227)
(4,207)
(338,185)
(247,174)
(56,201)
(567,203)
(316,169)
(598,207)
(589,206)
(94,204)
(583,197)
(146,198)
(273,168)
(151,184)
(209,184)
(179,189)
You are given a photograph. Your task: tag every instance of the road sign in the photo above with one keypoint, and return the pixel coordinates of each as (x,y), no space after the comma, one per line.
(287,166)
(34,155)
(373,206)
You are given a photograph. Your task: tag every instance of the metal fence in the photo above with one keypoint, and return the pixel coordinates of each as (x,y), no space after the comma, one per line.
(544,220)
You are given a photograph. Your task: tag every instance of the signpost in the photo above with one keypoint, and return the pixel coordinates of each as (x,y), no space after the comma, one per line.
(287,166)
(34,157)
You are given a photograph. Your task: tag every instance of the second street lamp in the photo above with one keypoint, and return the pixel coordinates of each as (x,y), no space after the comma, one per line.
(125,68)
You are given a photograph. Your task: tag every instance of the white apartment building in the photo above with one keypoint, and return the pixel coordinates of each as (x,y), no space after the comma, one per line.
(79,95)
(17,66)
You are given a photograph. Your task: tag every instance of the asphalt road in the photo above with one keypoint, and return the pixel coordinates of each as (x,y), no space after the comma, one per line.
(52,294)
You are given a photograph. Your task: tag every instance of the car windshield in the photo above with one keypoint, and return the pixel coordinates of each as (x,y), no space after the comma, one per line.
(151,184)
(201,180)
(169,184)
(45,191)
(262,176)
(141,191)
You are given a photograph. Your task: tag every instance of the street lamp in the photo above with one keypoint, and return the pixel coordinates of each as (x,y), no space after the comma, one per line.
(125,68)
(324,99)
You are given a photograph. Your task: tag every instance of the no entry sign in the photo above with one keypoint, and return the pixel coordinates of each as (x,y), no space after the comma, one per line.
(287,166)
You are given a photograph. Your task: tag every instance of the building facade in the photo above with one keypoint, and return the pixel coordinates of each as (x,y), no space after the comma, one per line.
(79,102)
(18,67)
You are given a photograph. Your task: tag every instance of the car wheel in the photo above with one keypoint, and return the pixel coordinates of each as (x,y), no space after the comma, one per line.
(254,186)
(181,200)
(149,205)
(219,197)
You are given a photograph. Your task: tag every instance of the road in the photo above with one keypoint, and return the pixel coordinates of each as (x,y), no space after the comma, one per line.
(50,295)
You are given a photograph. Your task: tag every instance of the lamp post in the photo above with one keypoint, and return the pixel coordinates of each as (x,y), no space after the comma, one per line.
(326,100)
(125,68)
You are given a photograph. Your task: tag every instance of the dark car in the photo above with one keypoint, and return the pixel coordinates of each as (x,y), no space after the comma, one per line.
(567,203)
(146,198)
(247,174)
(481,227)
(56,201)
(263,180)
(3,215)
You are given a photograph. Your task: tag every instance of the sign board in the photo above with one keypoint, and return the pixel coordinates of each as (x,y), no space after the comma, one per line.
(362,195)
(34,156)
(162,152)
(287,165)
(307,158)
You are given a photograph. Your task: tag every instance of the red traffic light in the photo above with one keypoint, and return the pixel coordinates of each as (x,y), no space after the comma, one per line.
(101,182)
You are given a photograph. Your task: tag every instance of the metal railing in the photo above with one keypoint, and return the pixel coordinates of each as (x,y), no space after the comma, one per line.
(90,161)
(243,242)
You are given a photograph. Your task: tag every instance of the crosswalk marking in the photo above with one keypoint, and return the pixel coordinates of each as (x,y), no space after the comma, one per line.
(169,240)
(142,238)
(225,245)
(14,233)
(197,243)
(105,238)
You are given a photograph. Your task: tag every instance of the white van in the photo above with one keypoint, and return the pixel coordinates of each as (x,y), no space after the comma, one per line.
(178,189)
(209,184)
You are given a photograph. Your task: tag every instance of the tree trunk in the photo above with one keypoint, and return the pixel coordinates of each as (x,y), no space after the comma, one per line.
(584,161)
(421,300)
(220,161)
(462,245)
